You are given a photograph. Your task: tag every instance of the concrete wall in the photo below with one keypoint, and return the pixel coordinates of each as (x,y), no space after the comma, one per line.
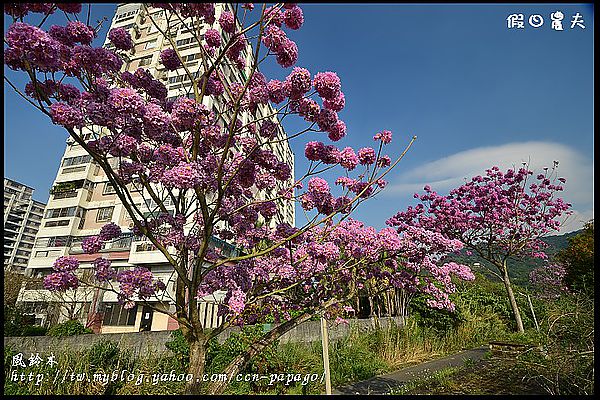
(153,342)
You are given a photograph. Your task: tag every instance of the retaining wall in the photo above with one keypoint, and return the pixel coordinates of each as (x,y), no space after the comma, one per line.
(154,342)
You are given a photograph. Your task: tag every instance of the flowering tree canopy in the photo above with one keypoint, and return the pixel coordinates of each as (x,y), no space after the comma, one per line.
(548,280)
(497,215)
(214,154)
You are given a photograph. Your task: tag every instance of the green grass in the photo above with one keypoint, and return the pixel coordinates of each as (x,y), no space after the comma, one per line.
(483,378)
(438,378)
(565,367)
(357,357)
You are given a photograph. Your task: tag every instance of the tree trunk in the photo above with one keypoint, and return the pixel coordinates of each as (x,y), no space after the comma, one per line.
(196,366)
(235,366)
(511,297)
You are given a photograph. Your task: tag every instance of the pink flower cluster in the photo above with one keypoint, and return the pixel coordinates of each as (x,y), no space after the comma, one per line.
(293,17)
(184,175)
(275,39)
(548,281)
(110,231)
(92,244)
(64,277)
(212,37)
(169,58)
(120,38)
(227,21)
(298,82)
(138,281)
(103,271)
(384,136)
(61,281)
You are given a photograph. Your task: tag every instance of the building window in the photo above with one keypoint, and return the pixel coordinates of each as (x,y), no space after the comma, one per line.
(104,214)
(57,241)
(145,61)
(118,315)
(71,170)
(190,57)
(128,26)
(76,160)
(47,253)
(61,222)
(150,45)
(60,212)
(183,42)
(125,16)
(108,188)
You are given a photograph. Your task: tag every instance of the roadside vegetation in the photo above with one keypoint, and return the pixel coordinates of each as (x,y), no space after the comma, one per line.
(481,316)
(560,359)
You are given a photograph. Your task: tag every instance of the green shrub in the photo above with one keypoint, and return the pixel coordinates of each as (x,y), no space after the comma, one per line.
(180,348)
(68,328)
(17,324)
(107,356)
(104,354)
(438,320)
(33,330)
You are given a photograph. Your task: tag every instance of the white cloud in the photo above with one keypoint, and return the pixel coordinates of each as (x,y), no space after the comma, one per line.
(451,171)
(576,220)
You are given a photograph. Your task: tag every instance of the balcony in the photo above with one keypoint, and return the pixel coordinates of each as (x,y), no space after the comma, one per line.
(64,195)
(143,247)
(123,243)
(64,190)
(145,253)
(34,284)
(13,228)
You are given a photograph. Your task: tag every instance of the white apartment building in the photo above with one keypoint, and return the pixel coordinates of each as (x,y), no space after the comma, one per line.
(22,217)
(82,200)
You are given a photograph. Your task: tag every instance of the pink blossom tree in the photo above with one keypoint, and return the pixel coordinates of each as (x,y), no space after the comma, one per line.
(498,216)
(548,281)
(219,170)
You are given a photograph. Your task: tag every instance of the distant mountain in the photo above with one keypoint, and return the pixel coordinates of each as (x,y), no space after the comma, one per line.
(519,269)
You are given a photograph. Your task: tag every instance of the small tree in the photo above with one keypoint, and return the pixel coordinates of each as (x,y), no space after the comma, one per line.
(497,216)
(578,260)
(211,153)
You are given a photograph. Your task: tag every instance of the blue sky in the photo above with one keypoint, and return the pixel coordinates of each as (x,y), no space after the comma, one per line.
(475,93)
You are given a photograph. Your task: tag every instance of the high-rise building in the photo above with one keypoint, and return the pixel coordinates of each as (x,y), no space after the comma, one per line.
(83,200)
(22,217)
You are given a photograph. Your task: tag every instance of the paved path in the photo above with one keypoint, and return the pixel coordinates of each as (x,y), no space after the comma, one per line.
(382,384)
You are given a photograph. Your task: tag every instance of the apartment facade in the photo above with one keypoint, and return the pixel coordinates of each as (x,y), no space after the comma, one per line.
(22,218)
(83,200)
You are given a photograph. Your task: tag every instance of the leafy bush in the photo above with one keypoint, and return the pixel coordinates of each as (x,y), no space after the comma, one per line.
(438,320)
(107,356)
(180,348)
(218,356)
(16,324)
(33,330)
(104,354)
(68,328)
